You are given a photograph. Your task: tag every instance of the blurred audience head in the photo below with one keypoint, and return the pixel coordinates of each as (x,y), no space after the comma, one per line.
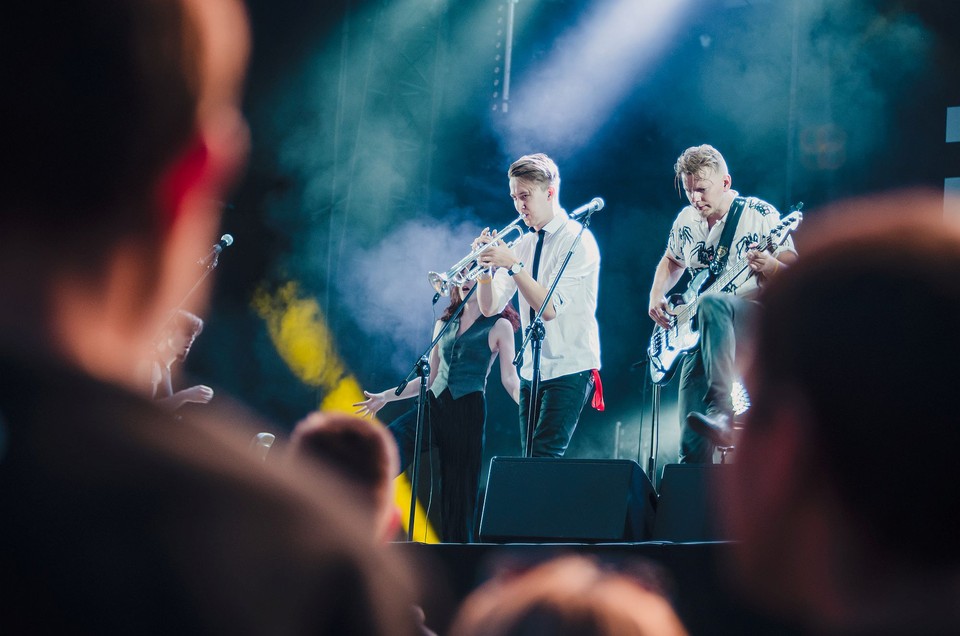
(844,494)
(122,138)
(568,596)
(122,133)
(362,451)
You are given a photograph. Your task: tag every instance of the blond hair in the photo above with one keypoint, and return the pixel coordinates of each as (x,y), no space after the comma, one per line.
(536,168)
(699,161)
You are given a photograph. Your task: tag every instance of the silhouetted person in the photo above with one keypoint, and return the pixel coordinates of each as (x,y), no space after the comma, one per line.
(363,452)
(568,596)
(121,129)
(845,495)
(174,346)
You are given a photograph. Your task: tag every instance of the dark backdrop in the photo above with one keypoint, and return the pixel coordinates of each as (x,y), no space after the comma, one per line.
(380,145)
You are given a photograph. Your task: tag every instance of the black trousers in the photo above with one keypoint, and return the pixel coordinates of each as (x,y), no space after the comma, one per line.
(456,428)
(559,404)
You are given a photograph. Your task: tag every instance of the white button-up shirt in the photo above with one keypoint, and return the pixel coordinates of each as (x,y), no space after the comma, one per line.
(572,342)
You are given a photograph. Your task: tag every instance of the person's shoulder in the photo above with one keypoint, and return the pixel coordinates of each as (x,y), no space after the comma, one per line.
(181,503)
(570,229)
(566,224)
(686,216)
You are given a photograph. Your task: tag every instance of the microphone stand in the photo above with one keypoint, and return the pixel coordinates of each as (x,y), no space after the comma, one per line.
(208,266)
(421,369)
(654,435)
(652,460)
(207,269)
(535,334)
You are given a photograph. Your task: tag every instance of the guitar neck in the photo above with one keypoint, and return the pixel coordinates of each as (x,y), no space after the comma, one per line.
(734,270)
(688,311)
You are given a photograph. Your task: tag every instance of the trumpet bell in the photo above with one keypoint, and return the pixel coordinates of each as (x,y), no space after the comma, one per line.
(439,282)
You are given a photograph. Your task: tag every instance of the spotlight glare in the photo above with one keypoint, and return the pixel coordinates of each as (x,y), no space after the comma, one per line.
(593,66)
(741,400)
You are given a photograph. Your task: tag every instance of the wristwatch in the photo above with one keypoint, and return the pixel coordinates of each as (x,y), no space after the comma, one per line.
(516,268)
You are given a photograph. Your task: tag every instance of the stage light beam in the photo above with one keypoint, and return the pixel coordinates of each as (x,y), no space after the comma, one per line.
(563,102)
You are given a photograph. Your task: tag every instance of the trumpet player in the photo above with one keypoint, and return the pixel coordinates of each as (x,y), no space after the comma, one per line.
(571,349)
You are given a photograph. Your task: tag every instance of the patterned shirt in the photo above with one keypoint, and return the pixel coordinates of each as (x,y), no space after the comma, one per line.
(693,245)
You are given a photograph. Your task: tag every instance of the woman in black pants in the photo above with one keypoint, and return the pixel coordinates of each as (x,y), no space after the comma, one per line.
(456,405)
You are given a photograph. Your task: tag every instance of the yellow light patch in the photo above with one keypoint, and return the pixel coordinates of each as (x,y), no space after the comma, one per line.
(302,339)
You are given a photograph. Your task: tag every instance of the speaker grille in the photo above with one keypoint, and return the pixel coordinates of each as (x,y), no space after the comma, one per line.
(567,500)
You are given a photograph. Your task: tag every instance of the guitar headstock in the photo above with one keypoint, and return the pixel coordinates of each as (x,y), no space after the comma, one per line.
(787,224)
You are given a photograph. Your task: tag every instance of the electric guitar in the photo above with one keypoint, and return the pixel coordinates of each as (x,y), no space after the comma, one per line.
(668,345)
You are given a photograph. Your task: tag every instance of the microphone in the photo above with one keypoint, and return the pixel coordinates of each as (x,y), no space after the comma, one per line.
(210,260)
(587,209)
(261,443)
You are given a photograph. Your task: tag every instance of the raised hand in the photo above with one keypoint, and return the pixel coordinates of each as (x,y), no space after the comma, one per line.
(199,394)
(371,405)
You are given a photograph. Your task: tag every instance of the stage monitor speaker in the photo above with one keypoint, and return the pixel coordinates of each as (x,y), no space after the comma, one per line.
(567,500)
(690,497)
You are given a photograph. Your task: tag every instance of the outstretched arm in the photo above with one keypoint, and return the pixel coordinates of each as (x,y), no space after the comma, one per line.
(199,394)
(376,401)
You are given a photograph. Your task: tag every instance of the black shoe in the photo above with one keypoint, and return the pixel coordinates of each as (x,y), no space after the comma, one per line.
(716,427)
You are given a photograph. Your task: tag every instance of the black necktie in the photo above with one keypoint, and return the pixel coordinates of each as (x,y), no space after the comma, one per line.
(535,270)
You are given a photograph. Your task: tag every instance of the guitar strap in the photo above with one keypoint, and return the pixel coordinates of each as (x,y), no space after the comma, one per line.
(729,229)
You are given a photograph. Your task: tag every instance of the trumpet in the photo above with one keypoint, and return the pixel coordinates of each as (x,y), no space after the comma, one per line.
(456,275)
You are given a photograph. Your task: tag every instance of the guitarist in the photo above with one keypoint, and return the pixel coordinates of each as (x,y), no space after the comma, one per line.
(716,229)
